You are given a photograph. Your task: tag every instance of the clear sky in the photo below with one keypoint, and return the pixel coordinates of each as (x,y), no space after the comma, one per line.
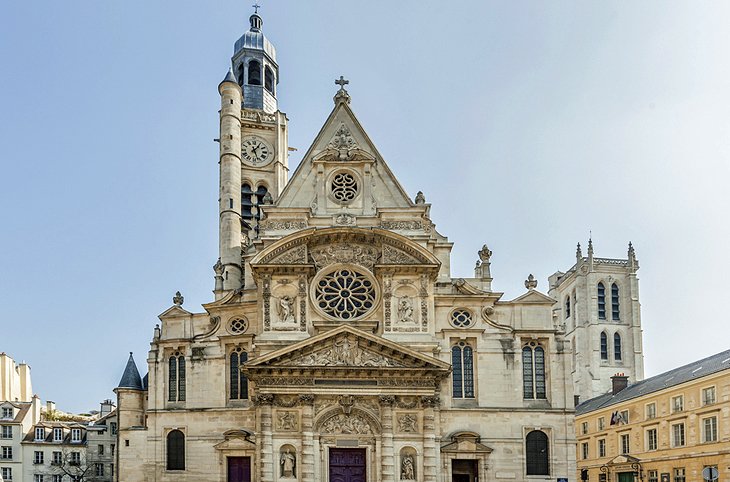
(526,124)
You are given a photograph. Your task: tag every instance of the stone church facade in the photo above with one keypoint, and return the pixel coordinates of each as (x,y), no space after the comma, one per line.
(338,346)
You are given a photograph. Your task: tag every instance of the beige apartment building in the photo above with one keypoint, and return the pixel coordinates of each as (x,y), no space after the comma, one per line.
(667,428)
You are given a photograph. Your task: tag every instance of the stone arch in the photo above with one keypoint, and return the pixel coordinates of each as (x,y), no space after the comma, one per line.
(357,422)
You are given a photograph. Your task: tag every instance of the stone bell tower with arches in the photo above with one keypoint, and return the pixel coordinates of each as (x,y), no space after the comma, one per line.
(254,149)
(598,304)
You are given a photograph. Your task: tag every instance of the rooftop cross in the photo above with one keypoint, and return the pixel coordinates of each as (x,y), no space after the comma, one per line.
(256,7)
(342,82)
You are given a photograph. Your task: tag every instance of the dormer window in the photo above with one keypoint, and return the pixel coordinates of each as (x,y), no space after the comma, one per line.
(40,433)
(7,413)
(58,435)
(75,435)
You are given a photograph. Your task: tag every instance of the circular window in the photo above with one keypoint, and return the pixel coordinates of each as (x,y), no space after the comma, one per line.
(345,293)
(344,187)
(237,325)
(461,318)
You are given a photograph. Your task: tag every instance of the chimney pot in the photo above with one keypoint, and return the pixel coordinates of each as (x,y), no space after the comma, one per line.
(618,382)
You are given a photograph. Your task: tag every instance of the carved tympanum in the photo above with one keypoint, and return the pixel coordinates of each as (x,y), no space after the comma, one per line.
(345,352)
(347,424)
(329,254)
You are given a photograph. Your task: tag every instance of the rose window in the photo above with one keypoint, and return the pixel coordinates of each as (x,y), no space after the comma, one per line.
(344,187)
(345,294)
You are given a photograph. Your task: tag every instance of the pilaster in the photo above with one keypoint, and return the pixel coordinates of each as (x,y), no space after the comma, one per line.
(430,451)
(387,455)
(307,467)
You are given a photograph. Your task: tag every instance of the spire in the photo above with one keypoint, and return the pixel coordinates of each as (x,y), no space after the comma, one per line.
(578,254)
(633,263)
(131,378)
(590,247)
(230,76)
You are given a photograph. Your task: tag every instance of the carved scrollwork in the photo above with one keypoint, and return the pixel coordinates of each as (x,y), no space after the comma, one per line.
(263,399)
(393,255)
(345,352)
(365,256)
(282,224)
(296,255)
(430,401)
(402,225)
(347,424)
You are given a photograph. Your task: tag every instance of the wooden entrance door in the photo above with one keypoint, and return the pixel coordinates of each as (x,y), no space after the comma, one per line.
(347,465)
(626,477)
(239,469)
(464,470)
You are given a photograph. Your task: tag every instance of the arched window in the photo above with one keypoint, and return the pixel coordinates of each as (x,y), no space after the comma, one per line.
(269,80)
(254,73)
(462,361)
(604,346)
(533,372)
(567,307)
(176,378)
(238,381)
(616,347)
(175,450)
(537,453)
(246,202)
(601,301)
(260,194)
(615,302)
(240,74)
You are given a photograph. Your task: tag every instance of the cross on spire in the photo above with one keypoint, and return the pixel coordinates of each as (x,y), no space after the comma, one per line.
(342,82)
(256,7)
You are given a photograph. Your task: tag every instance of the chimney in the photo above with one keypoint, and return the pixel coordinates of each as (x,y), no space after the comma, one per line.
(36,409)
(619,381)
(106,407)
(50,407)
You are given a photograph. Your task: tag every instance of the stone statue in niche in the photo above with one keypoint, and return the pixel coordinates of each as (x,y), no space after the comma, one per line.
(407,468)
(288,463)
(405,310)
(286,310)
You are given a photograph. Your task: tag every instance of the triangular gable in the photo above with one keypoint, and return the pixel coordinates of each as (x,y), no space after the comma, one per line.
(623,459)
(534,297)
(174,311)
(342,139)
(348,347)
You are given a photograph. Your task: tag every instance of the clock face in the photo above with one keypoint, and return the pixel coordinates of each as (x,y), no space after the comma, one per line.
(256,151)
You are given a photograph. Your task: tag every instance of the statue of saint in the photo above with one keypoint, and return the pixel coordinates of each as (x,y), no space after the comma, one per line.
(286,309)
(405,310)
(407,469)
(288,463)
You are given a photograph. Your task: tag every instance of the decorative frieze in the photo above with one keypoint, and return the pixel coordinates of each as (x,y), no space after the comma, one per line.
(347,424)
(363,255)
(283,224)
(413,225)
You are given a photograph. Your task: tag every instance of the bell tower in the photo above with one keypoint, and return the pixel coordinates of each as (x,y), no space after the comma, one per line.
(254,149)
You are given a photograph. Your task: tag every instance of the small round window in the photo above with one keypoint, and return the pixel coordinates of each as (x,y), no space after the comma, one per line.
(344,187)
(461,318)
(237,326)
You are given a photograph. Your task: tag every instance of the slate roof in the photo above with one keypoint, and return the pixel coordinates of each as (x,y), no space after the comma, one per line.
(131,378)
(686,373)
(23,408)
(230,77)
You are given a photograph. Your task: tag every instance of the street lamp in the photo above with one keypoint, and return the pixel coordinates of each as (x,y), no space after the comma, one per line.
(636,466)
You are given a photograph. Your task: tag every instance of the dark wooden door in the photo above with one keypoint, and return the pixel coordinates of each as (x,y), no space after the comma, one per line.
(239,469)
(347,465)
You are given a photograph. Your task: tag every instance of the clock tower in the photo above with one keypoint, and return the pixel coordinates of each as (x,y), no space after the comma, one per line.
(253,150)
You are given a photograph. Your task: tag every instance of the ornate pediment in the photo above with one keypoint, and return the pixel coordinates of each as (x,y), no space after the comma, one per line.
(392,255)
(297,255)
(347,347)
(346,352)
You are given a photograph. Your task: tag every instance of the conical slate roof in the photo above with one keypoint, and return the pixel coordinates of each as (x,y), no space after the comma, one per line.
(131,378)
(230,77)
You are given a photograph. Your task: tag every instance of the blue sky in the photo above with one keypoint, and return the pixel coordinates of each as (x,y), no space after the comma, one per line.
(547,120)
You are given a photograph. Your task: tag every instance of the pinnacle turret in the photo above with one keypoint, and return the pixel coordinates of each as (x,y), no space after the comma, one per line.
(131,378)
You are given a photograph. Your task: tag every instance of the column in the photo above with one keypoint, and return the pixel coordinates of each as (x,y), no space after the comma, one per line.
(307,457)
(430,451)
(264,440)
(387,455)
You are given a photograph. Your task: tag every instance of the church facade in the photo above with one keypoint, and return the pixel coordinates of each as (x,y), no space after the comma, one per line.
(338,346)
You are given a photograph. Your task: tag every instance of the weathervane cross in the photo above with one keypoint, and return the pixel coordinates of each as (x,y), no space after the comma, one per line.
(256,7)
(342,82)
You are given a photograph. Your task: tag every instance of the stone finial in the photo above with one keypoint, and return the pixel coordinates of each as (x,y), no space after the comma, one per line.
(178,299)
(218,268)
(531,282)
(578,253)
(420,198)
(342,95)
(268,198)
(158,332)
(485,254)
(590,247)
(633,263)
